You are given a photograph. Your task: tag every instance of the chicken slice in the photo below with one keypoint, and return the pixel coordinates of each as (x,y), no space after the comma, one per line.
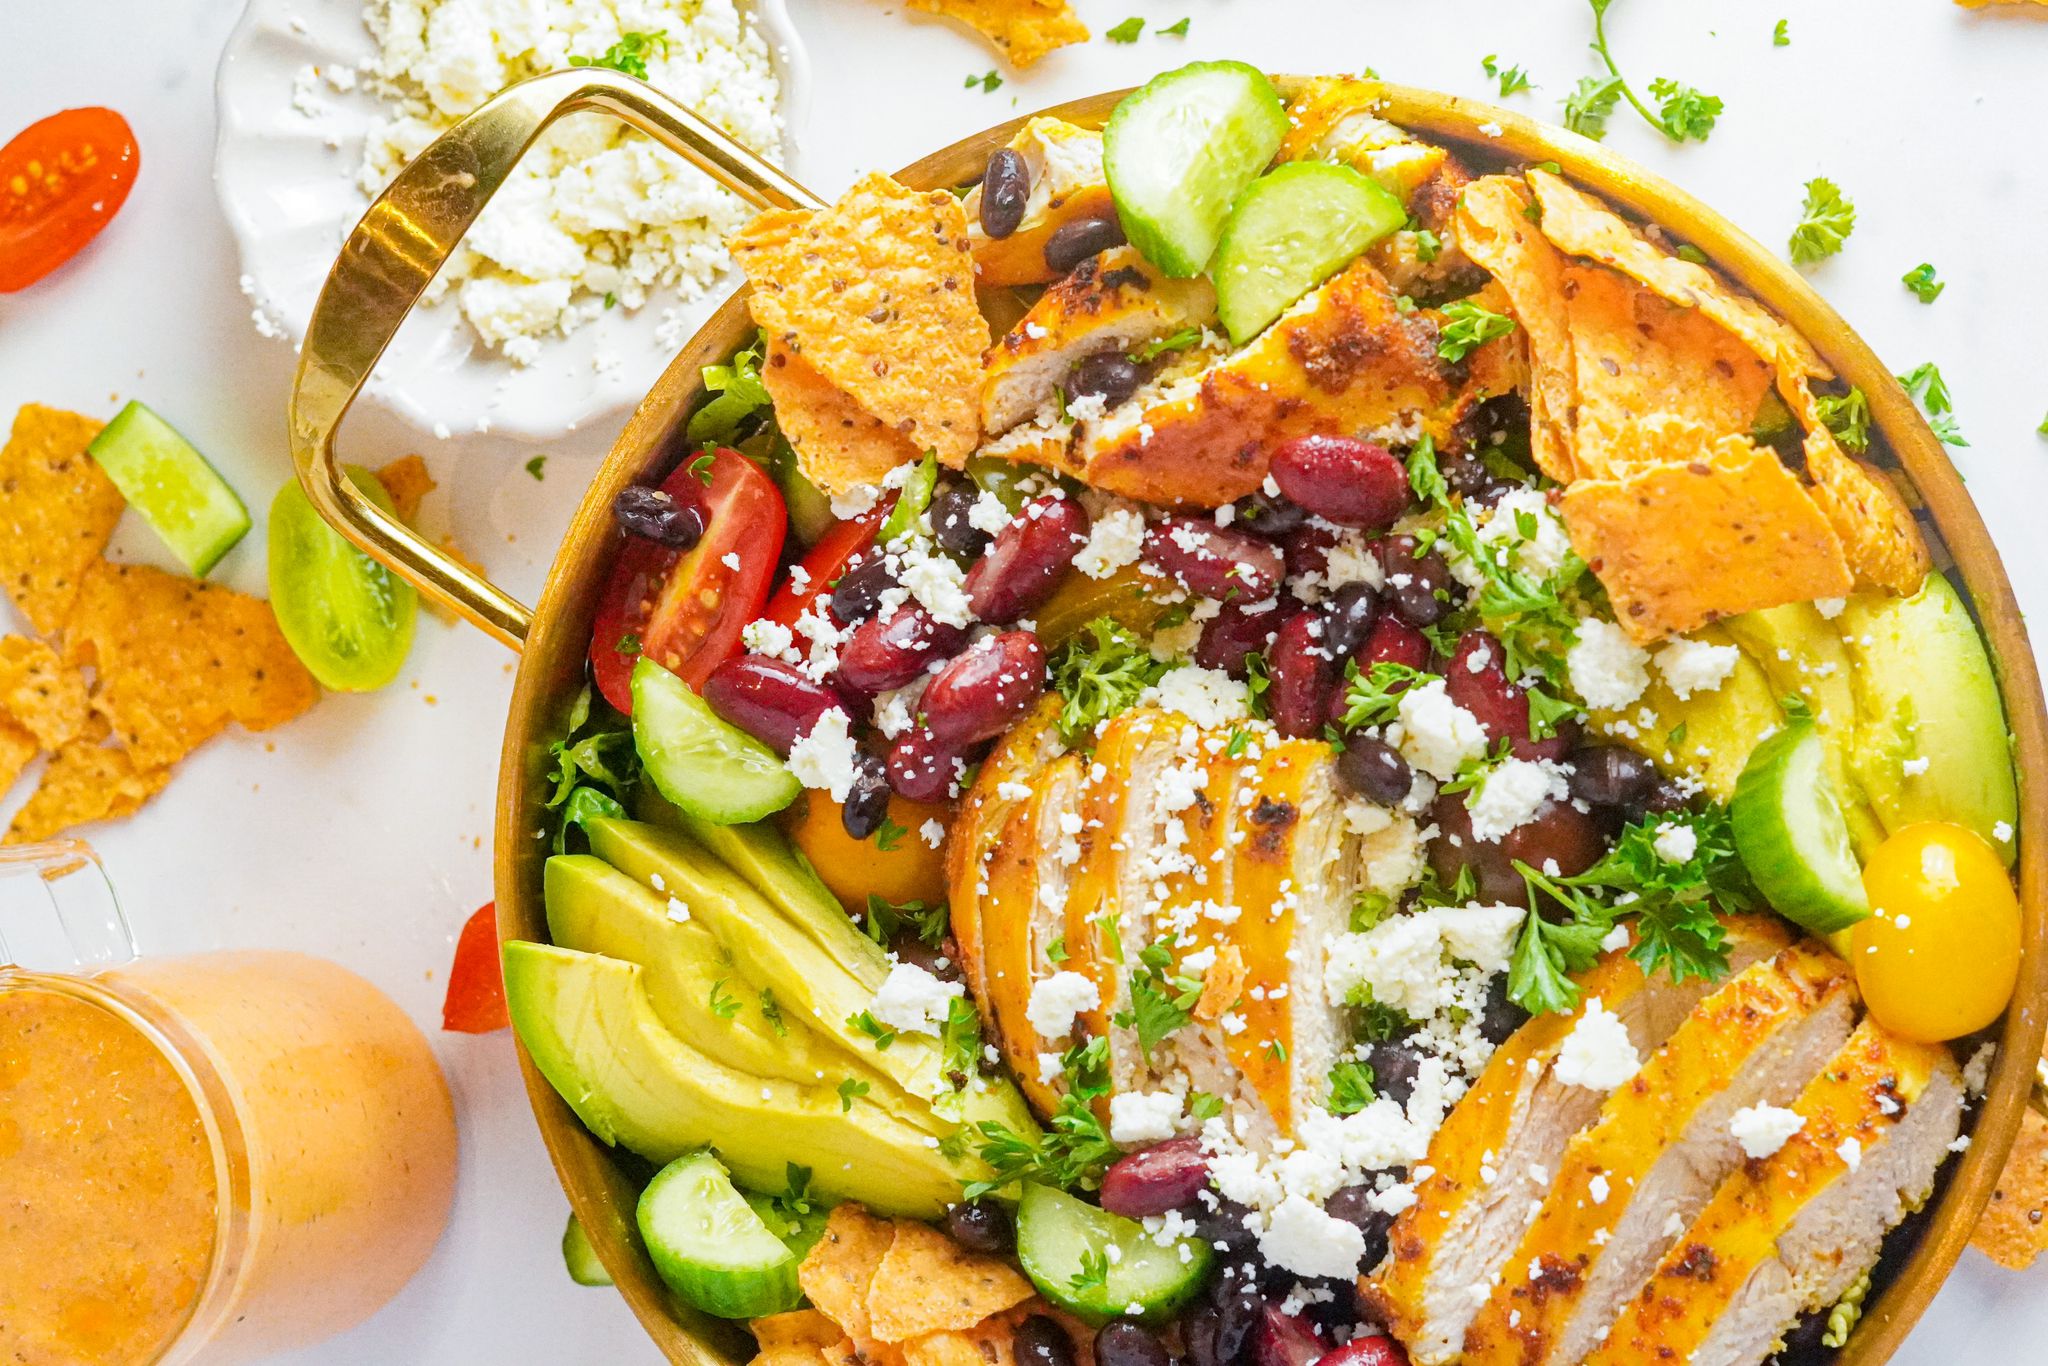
(1661,1146)
(1489,1165)
(1790,1233)
(972,838)
(1064,162)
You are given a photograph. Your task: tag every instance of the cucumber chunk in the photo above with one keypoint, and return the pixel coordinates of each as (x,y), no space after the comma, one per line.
(710,1246)
(1292,229)
(1178,150)
(705,765)
(1062,1244)
(166,479)
(348,618)
(1792,835)
(580,1257)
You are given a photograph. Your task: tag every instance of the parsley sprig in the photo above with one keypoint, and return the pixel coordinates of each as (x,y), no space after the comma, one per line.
(629,54)
(1467,326)
(1920,279)
(1825,221)
(1683,111)
(885,920)
(1930,391)
(1510,78)
(1162,1002)
(1848,417)
(1100,674)
(597,766)
(1075,1148)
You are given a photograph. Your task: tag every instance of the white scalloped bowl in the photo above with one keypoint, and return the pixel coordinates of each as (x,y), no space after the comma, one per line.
(286,182)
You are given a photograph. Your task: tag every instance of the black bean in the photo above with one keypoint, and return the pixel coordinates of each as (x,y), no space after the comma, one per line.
(654,515)
(1075,242)
(1374,770)
(1005,190)
(1395,1066)
(858,593)
(1418,588)
(1269,514)
(1225,1224)
(985,1226)
(1237,1314)
(1348,619)
(1663,798)
(867,800)
(1353,1205)
(1111,374)
(951,528)
(1502,1016)
(1126,1344)
(1198,1332)
(1040,1341)
(1610,775)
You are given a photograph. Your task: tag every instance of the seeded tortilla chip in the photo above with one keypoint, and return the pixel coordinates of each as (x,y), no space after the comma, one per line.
(1679,545)
(876,294)
(17,747)
(1879,536)
(797,1328)
(1581,225)
(85,781)
(178,659)
(826,429)
(1635,354)
(927,1283)
(1022,30)
(837,1271)
(2013,1229)
(1499,237)
(407,481)
(39,693)
(57,510)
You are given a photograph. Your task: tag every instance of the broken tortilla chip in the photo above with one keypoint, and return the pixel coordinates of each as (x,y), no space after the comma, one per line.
(1498,236)
(1582,225)
(1679,545)
(876,294)
(177,660)
(839,1268)
(827,430)
(17,747)
(39,692)
(1022,30)
(57,510)
(2013,1229)
(1880,537)
(86,781)
(407,481)
(927,1283)
(1635,354)
(800,1330)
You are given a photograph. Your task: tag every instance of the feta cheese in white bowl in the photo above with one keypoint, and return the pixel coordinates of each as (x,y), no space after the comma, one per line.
(593,263)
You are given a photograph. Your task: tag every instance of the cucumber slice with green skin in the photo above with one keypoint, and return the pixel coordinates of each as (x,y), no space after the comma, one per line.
(349,619)
(1293,228)
(799,1231)
(1791,833)
(1180,149)
(1061,1245)
(165,478)
(709,1245)
(699,761)
(580,1257)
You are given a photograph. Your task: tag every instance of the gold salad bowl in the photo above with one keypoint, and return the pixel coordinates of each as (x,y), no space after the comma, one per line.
(408,234)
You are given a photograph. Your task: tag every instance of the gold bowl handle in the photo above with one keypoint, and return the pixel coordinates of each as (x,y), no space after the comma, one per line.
(399,245)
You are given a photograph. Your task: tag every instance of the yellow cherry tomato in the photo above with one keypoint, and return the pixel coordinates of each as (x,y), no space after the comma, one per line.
(1940,953)
(908,870)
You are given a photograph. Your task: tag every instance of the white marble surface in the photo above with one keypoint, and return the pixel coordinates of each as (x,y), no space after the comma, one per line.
(360,831)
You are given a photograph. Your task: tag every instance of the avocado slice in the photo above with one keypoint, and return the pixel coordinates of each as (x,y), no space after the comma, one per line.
(1925,691)
(802,944)
(1722,725)
(593,1033)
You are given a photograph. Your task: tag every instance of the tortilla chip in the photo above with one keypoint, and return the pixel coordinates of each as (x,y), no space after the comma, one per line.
(1634,354)
(39,693)
(837,1271)
(407,481)
(85,781)
(57,510)
(1221,985)
(2013,1229)
(1582,225)
(1679,545)
(1880,537)
(841,1353)
(797,1328)
(838,445)
(961,1349)
(178,659)
(927,1283)
(17,747)
(1499,237)
(1022,30)
(876,293)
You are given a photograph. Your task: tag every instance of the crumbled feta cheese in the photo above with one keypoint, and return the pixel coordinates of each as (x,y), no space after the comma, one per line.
(935,581)
(1763,1129)
(1057,999)
(1143,1116)
(1914,768)
(1209,697)
(988,513)
(677,911)
(824,757)
(1830,607)
(1616,938)
(2002,832)
(1607,669)
(1114,541)
(1598,1053)
(932,833)
(1402,960)
(772,638)
(1510,795)
(912,1001)
(1676,842)
(1437,735)
(1523,523)
(1691,666)
(853,502)
(1598,1189)
(1303,1239)
(1851,1152)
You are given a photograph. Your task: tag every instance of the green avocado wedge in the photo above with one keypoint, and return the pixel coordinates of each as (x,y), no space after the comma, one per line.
(1790,831)
(591,1030)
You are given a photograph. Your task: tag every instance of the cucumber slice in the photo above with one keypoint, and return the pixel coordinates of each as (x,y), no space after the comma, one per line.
(710,1246)
(1179,149)
(1062,1245)
(1292,229)
(799,1231)
(705,765)
(166,479)
(580,1257)
(1792,835)
(346,616)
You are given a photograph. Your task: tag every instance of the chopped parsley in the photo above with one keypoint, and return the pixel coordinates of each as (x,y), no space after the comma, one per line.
(1428,246)
(611,300)
(1825,222)
(1100,673)
(989,82)
(869,1027)
(1372,696)
(723,1003)
(1591,104)
(1930,391)
(1177,30)
(1056,951)
(536,465)
(885,920)
(737,393)
(1350,1088)
(850,1090)
(771,1011)
(1781,36)
(1178,341)
(1094,1272)
(1073,1151)
(1161,1003)
(1920,279)
(629,644)
(1683,112)
(1468,326)
(1127,31)
(596,763)
(1847,416)
(888,835)
(1203,1107)
(629,54)
(1511,78)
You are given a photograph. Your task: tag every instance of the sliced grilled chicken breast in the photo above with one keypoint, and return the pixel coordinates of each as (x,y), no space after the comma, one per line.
(1660,1148)
(1791,1232)
(1489,1166)
(1016,759)
(1064,166)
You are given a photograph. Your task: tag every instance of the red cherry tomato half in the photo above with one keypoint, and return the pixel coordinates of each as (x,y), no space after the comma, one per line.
(825,562)
(685,609)
(62,179)
(476,983)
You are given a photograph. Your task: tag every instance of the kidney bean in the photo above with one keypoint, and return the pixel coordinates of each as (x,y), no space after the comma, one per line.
(1374,770)
(1156,1179)
(1232,634)
(1075,242)
(1610,775)
(1005,193)
(1024,562)
(951,527)
(1477,680)
(1368,1351)
(1353,1205)
(979,694)
(1040,1341)
(1109,374)
(985,1226)
(1269,515)
(655,515)
(1348,618)
(1122,1343)
(1393,641)
(888,652)
(1559,831)
(857,593)
(1418,587)
(1284,1339)
(1213,561)
(867,797)
(1307,548)
(920,768)
(1342,479)
(1302,675)
(768,699)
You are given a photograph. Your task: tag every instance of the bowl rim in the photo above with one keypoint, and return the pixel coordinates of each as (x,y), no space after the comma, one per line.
(550,673)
